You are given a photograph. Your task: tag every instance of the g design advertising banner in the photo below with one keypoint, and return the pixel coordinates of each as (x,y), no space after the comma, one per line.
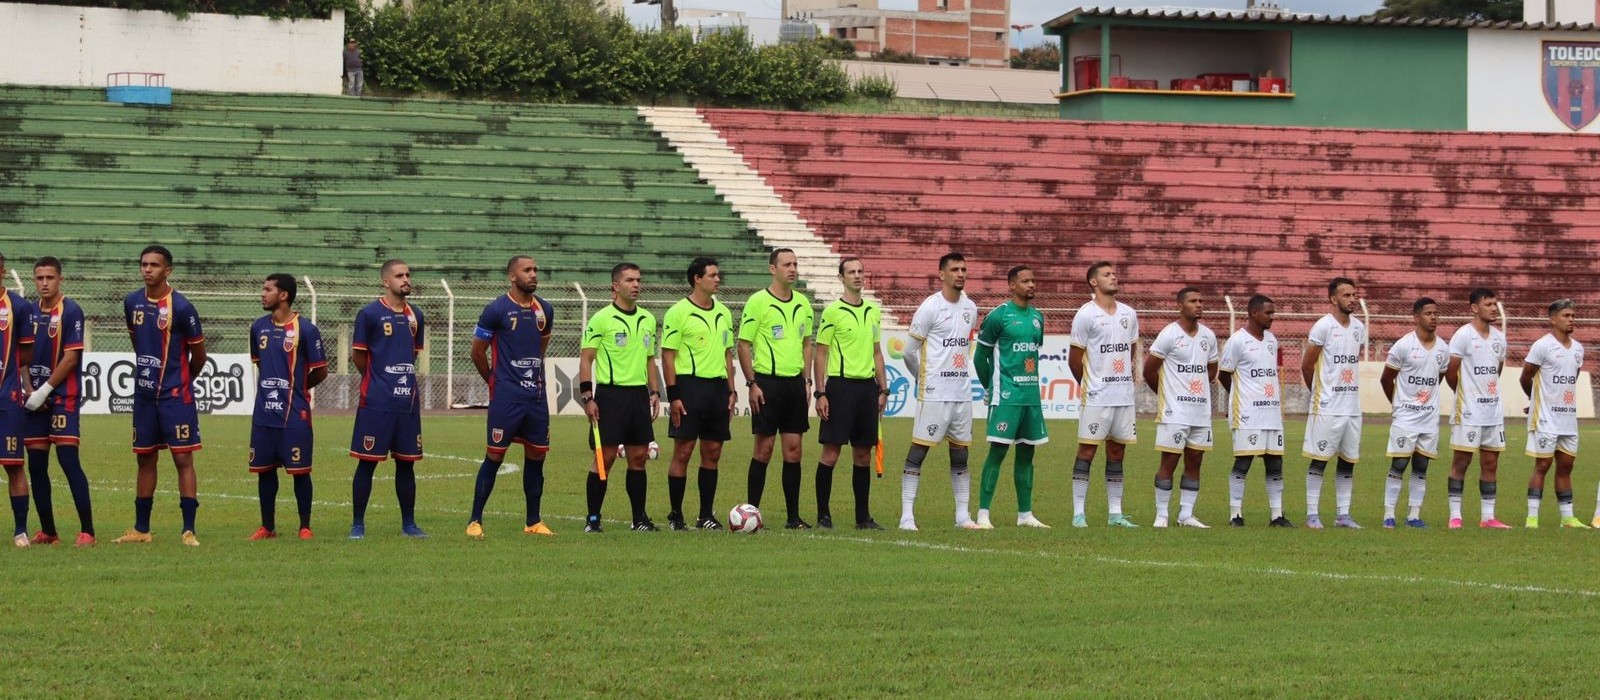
(225,386)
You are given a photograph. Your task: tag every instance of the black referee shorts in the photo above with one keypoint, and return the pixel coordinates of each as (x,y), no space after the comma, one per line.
(852,413)
(787,407)
(624,415)
(705,410)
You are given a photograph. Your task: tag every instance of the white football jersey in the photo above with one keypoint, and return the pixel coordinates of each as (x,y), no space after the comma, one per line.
(1185,393)
(946,332)
(1107,341)
(1336,383)
(1554,404)
(1420,371)
(1478,377)
(1257,399)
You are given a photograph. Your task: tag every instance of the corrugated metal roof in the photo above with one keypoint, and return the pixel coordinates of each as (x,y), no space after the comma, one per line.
(1257,17)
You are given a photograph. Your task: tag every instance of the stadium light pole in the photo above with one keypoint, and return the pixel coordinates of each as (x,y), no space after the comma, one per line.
(669,14)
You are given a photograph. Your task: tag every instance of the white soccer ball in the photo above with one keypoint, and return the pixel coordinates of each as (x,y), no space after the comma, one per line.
(655,450)
(744,518)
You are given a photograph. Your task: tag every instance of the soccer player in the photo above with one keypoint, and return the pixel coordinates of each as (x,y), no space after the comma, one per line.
(290,361)
(516,328)
(388,337)
(1550,379)
(53,407)
(1180,368)
(16,354)
(1411,378)
(1478,424)
(1248,371)
(171,352)
(1007,360)
(1331,368)
(852,393)
(1104,332)
(775,357)
(619,389)
(936,354)
(697,362)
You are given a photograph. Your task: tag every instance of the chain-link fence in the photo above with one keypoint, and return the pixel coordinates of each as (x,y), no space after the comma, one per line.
(451,308)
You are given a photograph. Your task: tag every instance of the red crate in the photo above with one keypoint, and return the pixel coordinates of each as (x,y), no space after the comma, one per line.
(1146,84)
(1188,84)
(1121,82)
(1086,71)
(1277,85)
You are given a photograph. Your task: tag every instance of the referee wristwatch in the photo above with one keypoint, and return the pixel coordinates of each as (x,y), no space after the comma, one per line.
(816,394)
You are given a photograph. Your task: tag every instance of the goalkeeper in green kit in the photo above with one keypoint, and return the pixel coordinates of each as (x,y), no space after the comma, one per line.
(1007,361)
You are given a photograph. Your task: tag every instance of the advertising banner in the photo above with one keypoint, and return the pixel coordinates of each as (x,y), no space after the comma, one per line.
(226,386)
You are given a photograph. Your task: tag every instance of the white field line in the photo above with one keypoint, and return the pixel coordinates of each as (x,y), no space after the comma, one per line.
(1226,568)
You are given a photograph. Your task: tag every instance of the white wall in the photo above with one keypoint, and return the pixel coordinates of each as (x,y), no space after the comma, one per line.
(963,83)
(56,45)
(1505,90)
(1581,11)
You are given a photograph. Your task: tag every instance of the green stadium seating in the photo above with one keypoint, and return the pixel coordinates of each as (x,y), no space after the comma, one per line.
(329,187)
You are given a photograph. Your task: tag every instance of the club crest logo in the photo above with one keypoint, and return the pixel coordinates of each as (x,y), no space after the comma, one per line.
(1124,322)
(290,338)
(163,317)
(1401,443)
(1472,436)
(368,442)
(1094,428)
(54,328)
(1568,71)
(1177,438)
(1254,438)
(497,435)
(5,318)
(933,430)
(1322,445)
(1001,426)
(1544,443)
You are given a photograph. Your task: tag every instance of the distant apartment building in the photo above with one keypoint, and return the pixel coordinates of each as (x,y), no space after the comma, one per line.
(942,32)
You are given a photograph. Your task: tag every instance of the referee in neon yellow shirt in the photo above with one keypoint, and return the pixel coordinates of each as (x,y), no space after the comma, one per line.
(852,392)
(618,386)
(775,357)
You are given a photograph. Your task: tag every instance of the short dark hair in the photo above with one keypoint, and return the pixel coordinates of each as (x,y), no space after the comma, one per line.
(1095,269)
(158,249)
(1011,274)
(847,260)
(1479,294)
(46,261)
(285,283)
(619,268)
(512,263)
(1186,290)
(390,264)
(1333,284)
(950,257)
(1420,303)
(1257,301)
(698,267)
(1560,305)
(772,258)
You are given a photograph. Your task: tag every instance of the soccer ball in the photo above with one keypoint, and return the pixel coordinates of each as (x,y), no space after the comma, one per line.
(744,518)
(655,450)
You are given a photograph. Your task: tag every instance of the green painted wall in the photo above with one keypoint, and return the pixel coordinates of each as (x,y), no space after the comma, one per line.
(1376,77)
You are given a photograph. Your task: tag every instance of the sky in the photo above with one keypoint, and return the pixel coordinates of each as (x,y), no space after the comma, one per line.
(1033,12)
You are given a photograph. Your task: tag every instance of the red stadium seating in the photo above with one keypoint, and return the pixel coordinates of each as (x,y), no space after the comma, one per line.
(1233,209)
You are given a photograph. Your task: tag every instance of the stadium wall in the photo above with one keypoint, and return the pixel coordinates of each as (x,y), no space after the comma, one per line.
(1393,79)
(57,45)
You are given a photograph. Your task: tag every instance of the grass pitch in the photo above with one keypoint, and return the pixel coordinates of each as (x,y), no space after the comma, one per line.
(1011,612)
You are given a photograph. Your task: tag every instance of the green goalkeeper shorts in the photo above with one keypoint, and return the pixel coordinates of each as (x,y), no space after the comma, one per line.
(1012,425)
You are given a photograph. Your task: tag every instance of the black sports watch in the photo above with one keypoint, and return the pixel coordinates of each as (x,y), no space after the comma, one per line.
(816,394)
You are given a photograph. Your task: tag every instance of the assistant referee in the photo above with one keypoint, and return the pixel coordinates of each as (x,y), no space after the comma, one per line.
(697,362)
(618,387)
(774,351)
(848,366)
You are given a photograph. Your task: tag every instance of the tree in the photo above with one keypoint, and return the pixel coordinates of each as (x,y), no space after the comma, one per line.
(1045,56)
(1496,10)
